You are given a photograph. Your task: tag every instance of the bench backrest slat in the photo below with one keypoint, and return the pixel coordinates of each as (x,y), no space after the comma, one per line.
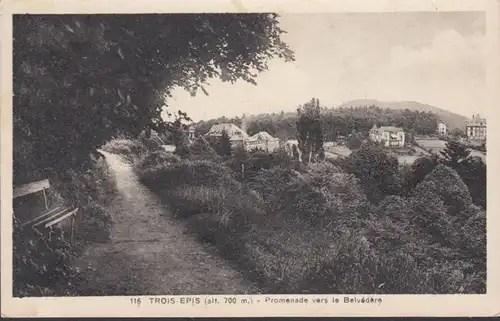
(52,217)
(41,217)
(61,218)
(30,188)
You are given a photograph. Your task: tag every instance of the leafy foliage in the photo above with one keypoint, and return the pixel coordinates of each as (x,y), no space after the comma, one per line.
(41,263)
(314,229)
(309,132)
(81,79)
(474,175)
(334,122)
(224,145)
(354,140)
(446,184)
(419,170)
(295,152)
(377,171)
(455,154)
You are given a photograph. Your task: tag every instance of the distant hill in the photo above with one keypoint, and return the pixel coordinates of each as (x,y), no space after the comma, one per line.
(453,120)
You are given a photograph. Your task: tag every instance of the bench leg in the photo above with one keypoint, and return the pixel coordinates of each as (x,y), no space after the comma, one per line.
(45,199)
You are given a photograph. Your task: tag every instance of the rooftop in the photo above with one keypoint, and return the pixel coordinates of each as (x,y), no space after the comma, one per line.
(262,136)
(391,129)
(233,131)
(477,120)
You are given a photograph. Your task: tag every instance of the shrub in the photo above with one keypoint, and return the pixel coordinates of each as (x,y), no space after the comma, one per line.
(187,172)
(447,184)
(93,224)
(42,263)
(474,176)
(155,159)
(472,233)
(354,140)
(128,148)
(394,208)
(201,150)
(314,230)
(429,212)
(343,193)
(377,171)
(269,181)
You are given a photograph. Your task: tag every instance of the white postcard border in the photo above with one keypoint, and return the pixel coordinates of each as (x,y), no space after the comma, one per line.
(392,305)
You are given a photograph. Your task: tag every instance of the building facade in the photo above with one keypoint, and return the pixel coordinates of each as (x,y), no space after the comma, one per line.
(442,128)
(264,141)
(390,136)
(476,128)
(239,138)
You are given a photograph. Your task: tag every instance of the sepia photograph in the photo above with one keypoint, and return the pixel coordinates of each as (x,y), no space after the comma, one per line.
(257,153)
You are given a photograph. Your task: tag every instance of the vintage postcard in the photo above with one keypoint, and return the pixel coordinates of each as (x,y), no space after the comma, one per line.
(250,158)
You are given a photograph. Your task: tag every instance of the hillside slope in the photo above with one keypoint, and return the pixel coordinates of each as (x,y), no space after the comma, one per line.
(453,120)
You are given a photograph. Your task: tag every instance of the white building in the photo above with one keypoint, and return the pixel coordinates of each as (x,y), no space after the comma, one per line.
(476,128)
(391,136)
(442,128)
(262,140)
(239,137)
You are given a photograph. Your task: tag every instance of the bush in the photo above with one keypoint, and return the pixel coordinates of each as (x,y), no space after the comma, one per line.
(270,181)
(395,208)
(42,263)
(354,140)
(93,224)
(314,230)
(175,175)
(447,184)
(201,150)
(472,234)
(130,149)
(377,171)
(155,159)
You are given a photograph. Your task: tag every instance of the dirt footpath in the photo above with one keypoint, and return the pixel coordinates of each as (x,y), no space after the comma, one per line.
(151,252)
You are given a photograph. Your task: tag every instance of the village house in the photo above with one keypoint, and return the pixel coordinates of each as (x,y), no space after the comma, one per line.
(262,140)
(239,138)
(442,128)
(389,135)
(476,128)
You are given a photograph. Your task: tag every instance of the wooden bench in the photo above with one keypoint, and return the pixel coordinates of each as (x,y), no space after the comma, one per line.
(49,217)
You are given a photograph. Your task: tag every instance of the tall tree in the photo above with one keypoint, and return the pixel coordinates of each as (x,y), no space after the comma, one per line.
(224,144)
(474,176)
(455,155)
(295,152)
(377,171)
(310,136)
(79,80)
(420,168)
(180,138)
(354,140)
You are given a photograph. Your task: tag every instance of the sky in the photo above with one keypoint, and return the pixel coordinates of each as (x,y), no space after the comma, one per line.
(435,58)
